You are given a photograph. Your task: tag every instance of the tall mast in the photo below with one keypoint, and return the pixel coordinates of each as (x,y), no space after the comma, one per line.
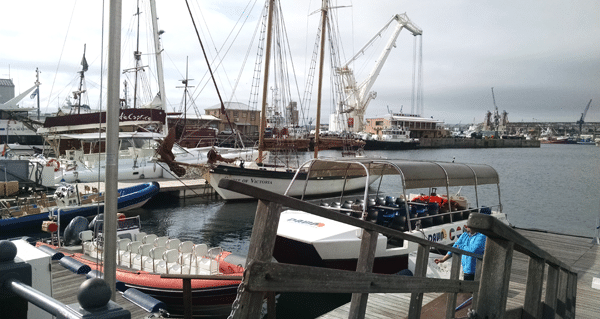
(159,66)
(137,56)
(320,85)
(263,112)
(185,87)
(112,145)
(37,90)
(84,68)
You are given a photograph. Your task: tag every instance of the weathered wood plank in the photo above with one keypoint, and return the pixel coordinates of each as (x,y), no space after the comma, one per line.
(262,243)
(495,278)
(294,278)
(493,228)
(455,275)
(532,306)
(416,299)
(550,300)
(366,259)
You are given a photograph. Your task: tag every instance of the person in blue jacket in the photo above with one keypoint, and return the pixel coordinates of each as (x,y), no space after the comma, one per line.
(472,242)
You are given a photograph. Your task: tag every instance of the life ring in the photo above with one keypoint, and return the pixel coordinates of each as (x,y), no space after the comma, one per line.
(51,163)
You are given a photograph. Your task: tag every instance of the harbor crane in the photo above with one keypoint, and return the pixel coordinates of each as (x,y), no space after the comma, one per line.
(496,115)
(359,95)
(580,122)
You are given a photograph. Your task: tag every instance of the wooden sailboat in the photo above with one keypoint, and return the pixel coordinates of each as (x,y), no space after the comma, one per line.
(274,178)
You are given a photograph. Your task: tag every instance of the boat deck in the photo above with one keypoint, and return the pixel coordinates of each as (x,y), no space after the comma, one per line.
(65,285)
(577,252)
(181,188)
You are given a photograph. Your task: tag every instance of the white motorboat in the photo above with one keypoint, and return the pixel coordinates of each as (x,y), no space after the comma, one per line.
(307,239)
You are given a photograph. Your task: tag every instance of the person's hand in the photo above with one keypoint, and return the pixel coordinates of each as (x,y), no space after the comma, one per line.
(437,261)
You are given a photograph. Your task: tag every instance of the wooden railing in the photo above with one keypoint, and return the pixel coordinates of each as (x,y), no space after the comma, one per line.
(502,241)
(263,277)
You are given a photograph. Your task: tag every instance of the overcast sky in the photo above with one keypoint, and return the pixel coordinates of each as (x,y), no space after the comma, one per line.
(541,57)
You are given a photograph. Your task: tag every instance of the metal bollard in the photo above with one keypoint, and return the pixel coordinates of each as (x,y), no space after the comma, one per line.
(11,267)
(15,283)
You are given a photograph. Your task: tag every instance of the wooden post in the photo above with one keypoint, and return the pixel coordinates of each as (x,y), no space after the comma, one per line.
(187,298)
(261,248)
(561,298)
(551,292)
(416,299)
(571,294)
(455,275)
(271,309)
(478,267)
(532,305)
(495,278)
(366,258)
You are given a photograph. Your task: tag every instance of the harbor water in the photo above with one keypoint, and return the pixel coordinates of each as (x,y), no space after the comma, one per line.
(554,188)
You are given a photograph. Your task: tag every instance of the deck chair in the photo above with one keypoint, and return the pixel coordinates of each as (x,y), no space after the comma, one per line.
(156,255)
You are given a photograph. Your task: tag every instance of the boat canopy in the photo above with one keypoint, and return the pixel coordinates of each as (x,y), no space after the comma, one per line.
(414,174)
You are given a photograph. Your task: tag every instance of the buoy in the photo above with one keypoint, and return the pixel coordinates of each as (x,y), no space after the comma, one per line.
(120,216)
(74,265)
(49,226)
(143,300)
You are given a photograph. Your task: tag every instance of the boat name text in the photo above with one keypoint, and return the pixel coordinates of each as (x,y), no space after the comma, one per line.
(452,235)
(305,222)
(133,117)
(251,181)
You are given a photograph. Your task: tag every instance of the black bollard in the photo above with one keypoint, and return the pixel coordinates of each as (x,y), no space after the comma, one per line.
(94,301)
(15,291)
(11,305)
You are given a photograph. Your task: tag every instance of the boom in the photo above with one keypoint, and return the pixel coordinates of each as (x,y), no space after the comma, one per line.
(359,95)
(580,122)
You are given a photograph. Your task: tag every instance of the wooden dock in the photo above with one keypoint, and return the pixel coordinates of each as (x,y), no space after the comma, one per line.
(65,285)
(577,252)
(182,188)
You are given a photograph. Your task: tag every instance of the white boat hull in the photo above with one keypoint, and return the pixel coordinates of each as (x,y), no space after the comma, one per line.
(319,241)
(278,182)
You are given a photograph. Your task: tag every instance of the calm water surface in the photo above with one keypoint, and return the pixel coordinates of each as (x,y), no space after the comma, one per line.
(554,188)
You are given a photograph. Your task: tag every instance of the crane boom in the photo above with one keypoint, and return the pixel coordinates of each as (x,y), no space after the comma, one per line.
(359,95)
(580,122)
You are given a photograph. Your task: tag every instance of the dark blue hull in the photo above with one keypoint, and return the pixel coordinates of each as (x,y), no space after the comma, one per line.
(130,197)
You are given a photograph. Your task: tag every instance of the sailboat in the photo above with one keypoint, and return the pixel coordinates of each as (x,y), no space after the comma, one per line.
(77,133)
(19,135)
(277,178)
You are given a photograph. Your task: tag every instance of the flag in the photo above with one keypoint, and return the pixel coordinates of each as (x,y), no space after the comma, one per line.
(34,93)
(84,64)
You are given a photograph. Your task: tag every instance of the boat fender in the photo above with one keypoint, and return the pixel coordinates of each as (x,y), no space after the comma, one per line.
(98,274)
(95,221)
(77,225)
(143,300)
(54,255)
(238,260)
(74,265)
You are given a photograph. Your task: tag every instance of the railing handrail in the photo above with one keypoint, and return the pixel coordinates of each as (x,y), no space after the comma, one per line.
(493,228)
